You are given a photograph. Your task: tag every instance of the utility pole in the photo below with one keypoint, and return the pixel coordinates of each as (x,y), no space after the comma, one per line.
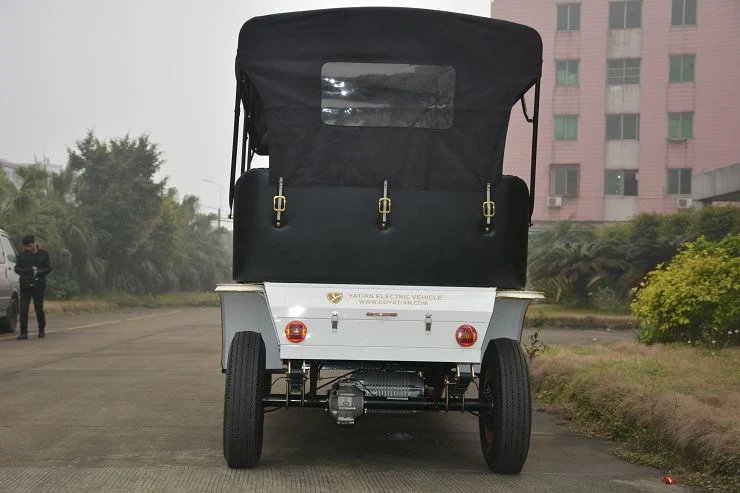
(220,198)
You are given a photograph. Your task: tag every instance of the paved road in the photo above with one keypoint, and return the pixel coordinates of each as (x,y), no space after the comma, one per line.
(132,401)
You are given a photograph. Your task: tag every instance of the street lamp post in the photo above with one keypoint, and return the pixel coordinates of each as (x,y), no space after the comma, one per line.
(220,197)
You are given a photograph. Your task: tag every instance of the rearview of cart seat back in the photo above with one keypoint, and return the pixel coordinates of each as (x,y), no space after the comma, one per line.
(334,234)
(385,130)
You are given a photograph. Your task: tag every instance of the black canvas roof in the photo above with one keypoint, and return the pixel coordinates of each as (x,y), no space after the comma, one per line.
(280,58)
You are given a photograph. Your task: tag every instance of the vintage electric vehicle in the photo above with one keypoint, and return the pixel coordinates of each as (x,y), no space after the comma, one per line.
(384,240)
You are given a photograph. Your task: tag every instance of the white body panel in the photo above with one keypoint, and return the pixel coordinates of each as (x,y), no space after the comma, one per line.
(410,303)
(380,322)
(373,323)
(244,308)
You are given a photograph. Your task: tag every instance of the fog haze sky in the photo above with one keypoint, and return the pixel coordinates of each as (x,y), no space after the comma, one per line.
(160,67)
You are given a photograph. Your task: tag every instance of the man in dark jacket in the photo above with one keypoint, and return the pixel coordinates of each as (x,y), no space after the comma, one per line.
(33,265)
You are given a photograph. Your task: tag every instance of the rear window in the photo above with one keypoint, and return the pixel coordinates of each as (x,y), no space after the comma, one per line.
(387,95)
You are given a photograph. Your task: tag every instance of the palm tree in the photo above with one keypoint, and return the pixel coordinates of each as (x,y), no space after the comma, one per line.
(44,206)
(585,264)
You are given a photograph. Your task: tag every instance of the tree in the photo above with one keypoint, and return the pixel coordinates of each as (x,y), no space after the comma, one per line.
(5,186)
(206,252)
(572,265)
(714,223)
(109,225)
(585,264)
(27,208)
(44,206)
(77,257)
(118,193)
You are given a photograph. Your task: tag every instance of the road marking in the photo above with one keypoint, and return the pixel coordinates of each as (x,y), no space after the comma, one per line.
(99,324)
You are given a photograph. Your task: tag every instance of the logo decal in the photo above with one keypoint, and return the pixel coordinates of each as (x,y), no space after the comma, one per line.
(334,297)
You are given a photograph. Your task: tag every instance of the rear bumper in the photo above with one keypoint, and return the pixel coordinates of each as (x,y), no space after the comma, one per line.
(401,338)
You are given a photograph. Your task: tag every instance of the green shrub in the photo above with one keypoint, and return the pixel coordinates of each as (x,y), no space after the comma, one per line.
(714,223)
(608,300)
(694,298)
(61,289)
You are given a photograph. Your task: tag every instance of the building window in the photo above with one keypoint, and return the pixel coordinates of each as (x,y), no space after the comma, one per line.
(569,17)
(683,13)
(679,181)
(621,182)
(623,127)
(566,72)
(681,125)
(625,15)
(681,68)
(566,127)
(623,71)
(564,180)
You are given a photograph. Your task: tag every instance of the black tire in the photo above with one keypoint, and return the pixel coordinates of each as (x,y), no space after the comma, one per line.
(10,322)
(506,429)
(243,410)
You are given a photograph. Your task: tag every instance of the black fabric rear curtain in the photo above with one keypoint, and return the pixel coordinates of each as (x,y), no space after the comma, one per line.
(245,137)
(235,144)
(535,122)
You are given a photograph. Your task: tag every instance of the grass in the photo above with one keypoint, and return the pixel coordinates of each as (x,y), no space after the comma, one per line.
(672,407)
(117,301)
(542,314)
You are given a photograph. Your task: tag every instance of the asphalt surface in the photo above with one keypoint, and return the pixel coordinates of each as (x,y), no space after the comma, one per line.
(133,401)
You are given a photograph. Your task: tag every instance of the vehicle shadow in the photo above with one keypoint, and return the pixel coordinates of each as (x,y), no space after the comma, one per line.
(429,440)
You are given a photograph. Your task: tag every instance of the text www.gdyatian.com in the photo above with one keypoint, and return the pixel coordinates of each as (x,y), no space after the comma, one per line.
(394,302)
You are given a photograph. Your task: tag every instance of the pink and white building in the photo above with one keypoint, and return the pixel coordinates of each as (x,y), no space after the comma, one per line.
(637,97)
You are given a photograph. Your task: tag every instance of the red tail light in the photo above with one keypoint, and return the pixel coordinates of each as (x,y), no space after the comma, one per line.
(466,335)
(296,331)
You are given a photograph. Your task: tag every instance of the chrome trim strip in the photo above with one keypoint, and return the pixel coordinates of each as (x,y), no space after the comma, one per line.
(240,288)
(521,295)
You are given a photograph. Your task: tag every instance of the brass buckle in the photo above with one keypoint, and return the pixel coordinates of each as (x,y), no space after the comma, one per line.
(384,205)
(278,203)
(489,208)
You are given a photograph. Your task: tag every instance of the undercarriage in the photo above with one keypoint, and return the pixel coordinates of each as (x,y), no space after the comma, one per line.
(384,389)
(502,399)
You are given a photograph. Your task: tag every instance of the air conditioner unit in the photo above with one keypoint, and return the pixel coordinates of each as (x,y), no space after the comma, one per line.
(685,203)
(554,201)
